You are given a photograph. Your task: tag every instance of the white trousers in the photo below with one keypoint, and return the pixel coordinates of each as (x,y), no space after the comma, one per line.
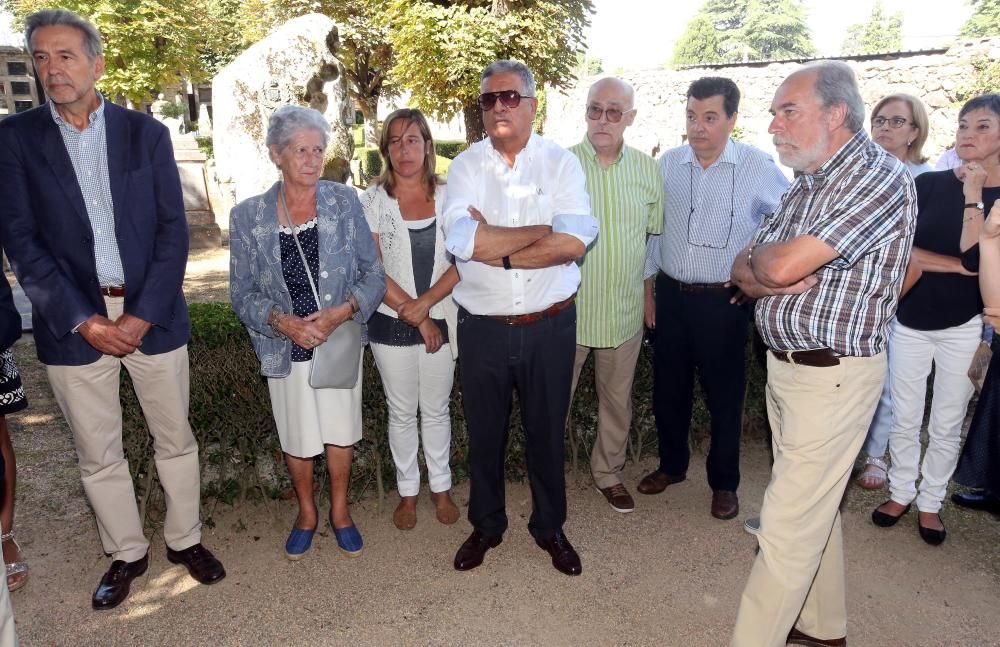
(913,352)
(415,379)
(8,637)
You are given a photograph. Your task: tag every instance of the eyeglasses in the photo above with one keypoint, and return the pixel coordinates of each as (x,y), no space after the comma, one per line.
(614,115)
(894,122)
(509,98)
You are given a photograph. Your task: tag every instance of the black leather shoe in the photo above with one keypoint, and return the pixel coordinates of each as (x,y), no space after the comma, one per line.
(977,500)
(796,637)
(200,562)
(564,558)
(932,536)
(472,551)
(884,520)
(115,584)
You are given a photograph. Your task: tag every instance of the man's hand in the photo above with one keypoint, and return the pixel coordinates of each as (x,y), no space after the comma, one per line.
(110,338)
(433,339)
(739,297)
(413,311)
(648,304)
(477,215)
(135,325)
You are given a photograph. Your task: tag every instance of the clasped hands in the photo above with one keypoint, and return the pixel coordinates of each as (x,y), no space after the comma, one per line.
(416,313)
(120,337)
(312,330)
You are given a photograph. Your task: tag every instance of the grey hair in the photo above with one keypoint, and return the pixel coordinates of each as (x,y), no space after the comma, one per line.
(50,17)
(517,67)
(287,121)
(835,84)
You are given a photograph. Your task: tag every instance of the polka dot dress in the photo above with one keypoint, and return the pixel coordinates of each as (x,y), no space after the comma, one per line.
(303,301)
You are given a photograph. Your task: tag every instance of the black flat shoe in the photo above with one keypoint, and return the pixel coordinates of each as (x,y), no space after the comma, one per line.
(931,536)
(883,520)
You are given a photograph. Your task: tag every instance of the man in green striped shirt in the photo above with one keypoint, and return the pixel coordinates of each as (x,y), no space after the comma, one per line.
(626,196)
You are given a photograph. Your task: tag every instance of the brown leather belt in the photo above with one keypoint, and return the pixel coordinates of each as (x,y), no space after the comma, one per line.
(532,317)
(113,290)
(719,288)
(819,357)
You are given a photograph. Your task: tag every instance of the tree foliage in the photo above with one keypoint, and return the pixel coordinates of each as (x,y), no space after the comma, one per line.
(442,46)
(731,31)
(881,33)
(148,44)
(985,19)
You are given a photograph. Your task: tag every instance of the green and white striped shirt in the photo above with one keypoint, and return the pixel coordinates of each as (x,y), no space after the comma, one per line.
(627,200)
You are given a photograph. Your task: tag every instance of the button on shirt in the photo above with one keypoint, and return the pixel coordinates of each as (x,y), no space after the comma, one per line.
(862,203)
(709,214)
(88,151)
(546,186)
(627,199)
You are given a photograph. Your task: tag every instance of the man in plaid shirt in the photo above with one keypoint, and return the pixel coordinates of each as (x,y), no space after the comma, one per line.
(828,268)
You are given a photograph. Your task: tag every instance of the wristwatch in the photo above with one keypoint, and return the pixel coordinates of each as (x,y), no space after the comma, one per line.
(975,205)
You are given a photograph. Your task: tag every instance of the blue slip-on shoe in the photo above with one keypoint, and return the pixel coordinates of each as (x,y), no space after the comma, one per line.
(298,543)
(348,540)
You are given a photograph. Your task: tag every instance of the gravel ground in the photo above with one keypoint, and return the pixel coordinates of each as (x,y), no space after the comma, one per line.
(668,574)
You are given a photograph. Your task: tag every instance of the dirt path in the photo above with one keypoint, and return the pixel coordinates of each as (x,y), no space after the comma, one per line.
(668,574)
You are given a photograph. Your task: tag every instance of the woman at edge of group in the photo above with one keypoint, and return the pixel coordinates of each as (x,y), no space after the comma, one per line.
(412,334)
(940,321)
(12,399)
(979,465)
(276,303)
(899,125)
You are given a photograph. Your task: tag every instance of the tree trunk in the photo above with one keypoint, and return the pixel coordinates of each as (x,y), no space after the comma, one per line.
(369,108)
(474,129)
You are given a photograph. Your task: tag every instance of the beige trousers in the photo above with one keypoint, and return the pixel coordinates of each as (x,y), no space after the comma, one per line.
(614,371)
(89,399)
(819,418)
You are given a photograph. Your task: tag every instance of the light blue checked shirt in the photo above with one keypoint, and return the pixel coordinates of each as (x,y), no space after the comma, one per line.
(710,214)
(89,153)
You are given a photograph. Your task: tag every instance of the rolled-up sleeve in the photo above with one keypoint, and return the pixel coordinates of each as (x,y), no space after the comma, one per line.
(458,227)
(571,203)
(652,263)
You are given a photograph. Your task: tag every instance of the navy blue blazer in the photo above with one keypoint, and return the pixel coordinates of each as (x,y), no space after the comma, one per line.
(47,234)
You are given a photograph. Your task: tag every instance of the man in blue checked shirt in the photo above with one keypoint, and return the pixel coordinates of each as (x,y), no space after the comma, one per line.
(93,222)
(717,191)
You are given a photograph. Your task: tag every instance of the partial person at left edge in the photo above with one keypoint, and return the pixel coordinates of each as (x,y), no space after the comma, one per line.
(93,223)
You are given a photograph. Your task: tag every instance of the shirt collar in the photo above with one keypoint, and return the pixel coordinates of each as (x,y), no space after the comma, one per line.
(852,148)
(525,153)
(591,153)
(97,116)
(728,156)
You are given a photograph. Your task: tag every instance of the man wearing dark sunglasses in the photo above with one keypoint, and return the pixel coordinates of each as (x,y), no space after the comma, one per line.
(516,218)
(717,192)
(626,193)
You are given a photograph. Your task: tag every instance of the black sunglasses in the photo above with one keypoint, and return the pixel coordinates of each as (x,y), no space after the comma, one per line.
(510,98)
(614,115)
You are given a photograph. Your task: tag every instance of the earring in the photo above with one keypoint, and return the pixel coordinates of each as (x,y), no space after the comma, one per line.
(908,144)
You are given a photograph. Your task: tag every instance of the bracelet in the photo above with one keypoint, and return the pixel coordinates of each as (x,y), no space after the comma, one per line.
(274,319)
(506,262)
(750,255)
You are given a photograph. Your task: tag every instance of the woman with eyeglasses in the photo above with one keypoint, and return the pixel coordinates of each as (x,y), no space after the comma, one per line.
(939,321)
(303,263)
(412,334)
(900,126)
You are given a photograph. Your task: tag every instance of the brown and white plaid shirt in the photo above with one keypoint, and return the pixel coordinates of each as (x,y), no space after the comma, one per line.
(862,202)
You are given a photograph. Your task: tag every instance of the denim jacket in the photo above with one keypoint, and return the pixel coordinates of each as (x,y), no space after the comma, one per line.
(348,262)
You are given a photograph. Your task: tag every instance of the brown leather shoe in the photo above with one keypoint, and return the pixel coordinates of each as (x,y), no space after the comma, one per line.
(472,551)
(445,509)
(114,586)
(725,504)
(564,558)
(618,498)
(405,515)
(796,637)
(200,562)
(656,482)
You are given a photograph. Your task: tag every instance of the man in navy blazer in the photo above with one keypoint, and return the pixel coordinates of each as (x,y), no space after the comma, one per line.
(93,222)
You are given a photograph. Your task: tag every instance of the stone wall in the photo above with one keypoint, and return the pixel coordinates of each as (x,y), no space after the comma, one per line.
(660,96)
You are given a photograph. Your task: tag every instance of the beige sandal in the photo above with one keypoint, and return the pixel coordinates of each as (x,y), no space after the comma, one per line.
(875,474)
(17,571)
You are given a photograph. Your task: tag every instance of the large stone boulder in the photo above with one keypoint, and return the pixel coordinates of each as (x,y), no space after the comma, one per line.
(295,64)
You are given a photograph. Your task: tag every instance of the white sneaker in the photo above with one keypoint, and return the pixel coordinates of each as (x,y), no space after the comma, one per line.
(752,525)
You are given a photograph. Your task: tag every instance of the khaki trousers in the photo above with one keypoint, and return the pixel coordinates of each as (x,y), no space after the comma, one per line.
(614,372)
(819,418)
(89,399)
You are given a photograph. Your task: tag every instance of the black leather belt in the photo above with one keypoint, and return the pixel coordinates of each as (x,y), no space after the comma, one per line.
(819,357)
(715,288)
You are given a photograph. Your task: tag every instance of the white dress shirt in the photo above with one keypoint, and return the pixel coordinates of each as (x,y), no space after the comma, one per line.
(546,186)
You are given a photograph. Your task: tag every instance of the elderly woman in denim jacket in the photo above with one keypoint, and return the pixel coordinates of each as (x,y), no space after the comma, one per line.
(270,292)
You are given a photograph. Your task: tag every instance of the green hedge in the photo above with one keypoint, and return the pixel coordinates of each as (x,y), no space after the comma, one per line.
(371,163)
(239,450)
(450,148)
